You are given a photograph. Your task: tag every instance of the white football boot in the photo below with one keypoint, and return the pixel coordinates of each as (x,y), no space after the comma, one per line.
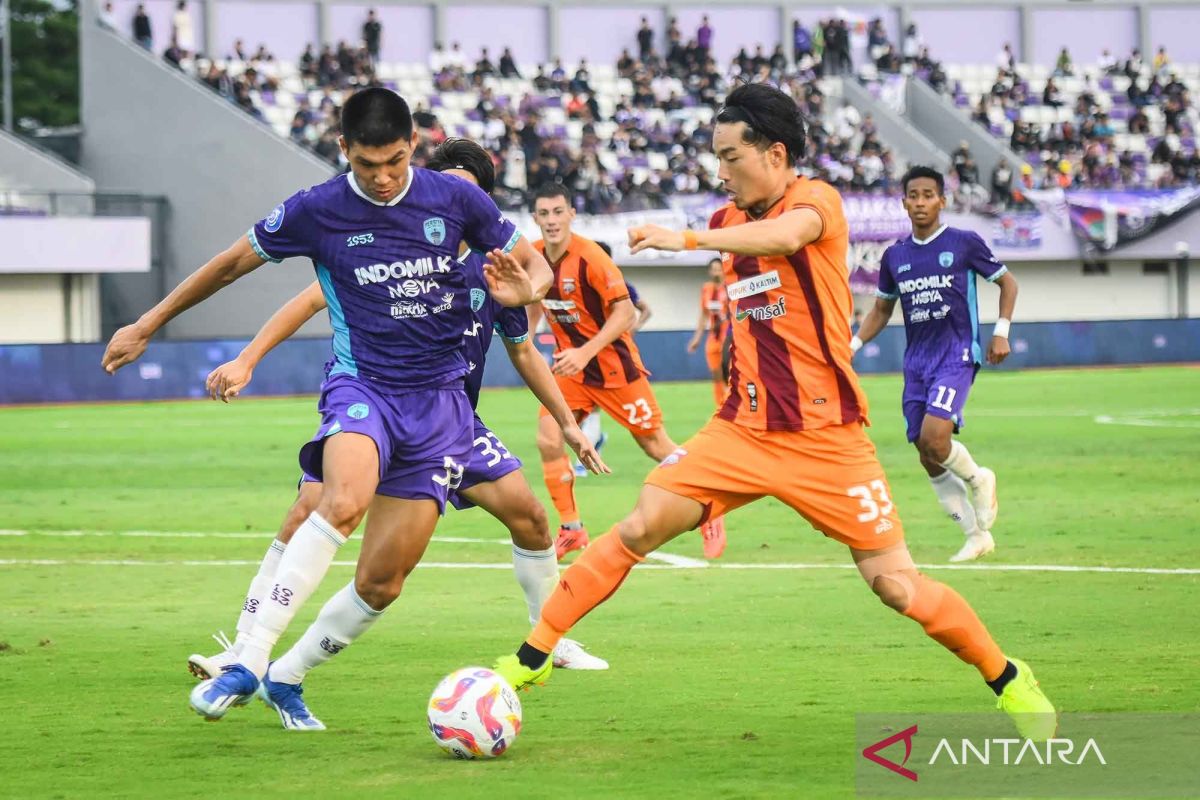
(983,498)
(978,545)
(569,654)
(207,667)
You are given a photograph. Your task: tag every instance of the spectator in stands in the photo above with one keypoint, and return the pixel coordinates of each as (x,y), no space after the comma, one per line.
(239,51)
(181,30)
(877,40)
(1137,97)
(308,63)
(1007,61)
(508,65)
(1134,64)
(704,35)
(107,17)
(437,59)
(1002,179)
(1063,67)
(1139,123)
(645,39)
(484,68)
(456,58)
(910,48)
(174,55)
(580,84)
(1162,62)
(1107,63)
(541,81)
(1051,96)
(802,44)
(888,61)
(143,34)
(372,35)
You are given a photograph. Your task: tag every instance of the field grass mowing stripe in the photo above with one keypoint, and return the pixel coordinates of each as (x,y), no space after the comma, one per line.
(694,564)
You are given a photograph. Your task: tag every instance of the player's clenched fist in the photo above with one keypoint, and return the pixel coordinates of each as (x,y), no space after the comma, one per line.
(125,347)
(655,237)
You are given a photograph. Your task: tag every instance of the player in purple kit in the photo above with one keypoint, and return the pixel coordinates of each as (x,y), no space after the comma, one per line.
(932,274)
(491,479)
(396,423)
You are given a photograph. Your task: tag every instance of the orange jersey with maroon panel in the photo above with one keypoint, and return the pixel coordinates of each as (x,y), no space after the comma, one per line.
(716,306)
(586,283)
(790,368)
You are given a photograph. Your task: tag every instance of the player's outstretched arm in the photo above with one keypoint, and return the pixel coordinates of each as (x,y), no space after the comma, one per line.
(998,348)
(698,335)
(226,381)
(518,277)
(783,235)
(537,376)
(875,321)
(621,316)
(129,342)
(645,312)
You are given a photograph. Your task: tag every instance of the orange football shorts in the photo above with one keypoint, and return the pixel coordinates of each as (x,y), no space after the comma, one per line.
(633,405)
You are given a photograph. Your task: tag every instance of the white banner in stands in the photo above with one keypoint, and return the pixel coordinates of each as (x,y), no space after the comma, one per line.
(74,244)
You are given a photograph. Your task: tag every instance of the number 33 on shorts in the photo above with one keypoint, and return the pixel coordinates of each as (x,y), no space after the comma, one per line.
(875,504)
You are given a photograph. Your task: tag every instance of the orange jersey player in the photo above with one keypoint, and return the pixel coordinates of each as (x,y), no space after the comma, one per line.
(596,361)
(793,425)
(713,327)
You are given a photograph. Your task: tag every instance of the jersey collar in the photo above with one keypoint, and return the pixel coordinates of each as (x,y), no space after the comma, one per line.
(932,236)
(394,201)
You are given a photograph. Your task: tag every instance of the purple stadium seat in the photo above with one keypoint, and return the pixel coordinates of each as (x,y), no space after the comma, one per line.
(474,115)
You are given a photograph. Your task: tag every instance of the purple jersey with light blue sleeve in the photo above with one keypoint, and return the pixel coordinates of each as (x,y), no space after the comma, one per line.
(934,280)
(398,296)
(488,317)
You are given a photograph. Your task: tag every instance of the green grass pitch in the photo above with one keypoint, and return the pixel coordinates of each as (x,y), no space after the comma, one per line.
(725,682)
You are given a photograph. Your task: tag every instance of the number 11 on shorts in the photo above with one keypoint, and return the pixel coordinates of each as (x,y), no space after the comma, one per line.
(945,398)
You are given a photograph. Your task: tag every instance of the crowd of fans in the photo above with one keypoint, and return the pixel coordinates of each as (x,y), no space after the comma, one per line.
(1081,150)
(844,147)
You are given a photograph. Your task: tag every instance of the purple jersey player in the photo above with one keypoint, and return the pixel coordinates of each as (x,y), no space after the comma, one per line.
(396,423)
(933,275)
(491,476)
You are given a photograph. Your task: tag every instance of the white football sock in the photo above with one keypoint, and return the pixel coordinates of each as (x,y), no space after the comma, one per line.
(259,587)
(591,427)
(537,572)
(952,494)
(960,462)
(302,567)
(344,618)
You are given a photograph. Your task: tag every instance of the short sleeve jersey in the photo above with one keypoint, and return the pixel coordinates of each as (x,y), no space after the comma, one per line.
(790,366)
(934,280)
(715,304)
(488,317)
(586,284)
(396,291)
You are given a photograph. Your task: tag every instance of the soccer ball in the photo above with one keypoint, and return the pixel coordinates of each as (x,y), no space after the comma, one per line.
(474,713)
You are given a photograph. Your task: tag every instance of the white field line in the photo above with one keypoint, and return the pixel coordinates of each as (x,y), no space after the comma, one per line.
(83,562)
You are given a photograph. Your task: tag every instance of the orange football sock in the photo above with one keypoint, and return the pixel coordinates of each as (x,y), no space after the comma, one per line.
(587,583)
(560,481)
(951,622)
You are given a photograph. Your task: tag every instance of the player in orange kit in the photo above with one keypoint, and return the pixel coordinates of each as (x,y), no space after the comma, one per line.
(596,361)
(792,426)
(714,321)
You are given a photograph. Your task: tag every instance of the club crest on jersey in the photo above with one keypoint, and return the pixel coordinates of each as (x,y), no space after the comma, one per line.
(477,298)
(359,411)
(274,219)
(435,230)
(568,285)
(946,259)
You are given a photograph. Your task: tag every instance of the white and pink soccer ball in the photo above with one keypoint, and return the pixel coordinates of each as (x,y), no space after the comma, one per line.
(474,713)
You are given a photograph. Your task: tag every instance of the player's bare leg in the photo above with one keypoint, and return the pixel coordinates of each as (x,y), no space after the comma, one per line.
(510,500)
(397,533)
(951,622)
(658,518)
(560,482)
(658,445)
(350,462)
(935,445)
(205,667)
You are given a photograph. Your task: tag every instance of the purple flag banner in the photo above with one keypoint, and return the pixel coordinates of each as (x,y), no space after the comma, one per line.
(1017,229)
(1106,219)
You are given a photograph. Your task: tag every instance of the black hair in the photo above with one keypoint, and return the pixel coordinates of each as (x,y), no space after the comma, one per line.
(376,117)
(920,171)
(770,116)
(549,190)
(456,153)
